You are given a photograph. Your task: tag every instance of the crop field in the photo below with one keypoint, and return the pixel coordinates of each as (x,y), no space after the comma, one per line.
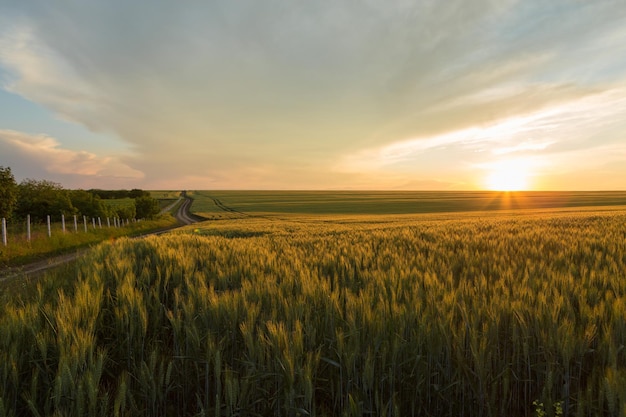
(392,202)
(501,313)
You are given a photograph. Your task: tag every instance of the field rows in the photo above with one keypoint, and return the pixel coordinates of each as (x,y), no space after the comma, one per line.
(394,202)
(369,315)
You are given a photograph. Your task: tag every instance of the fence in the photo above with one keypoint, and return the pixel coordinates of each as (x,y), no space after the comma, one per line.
(32,230)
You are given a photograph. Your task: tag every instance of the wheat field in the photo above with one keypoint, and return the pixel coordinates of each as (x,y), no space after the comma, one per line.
(490,314)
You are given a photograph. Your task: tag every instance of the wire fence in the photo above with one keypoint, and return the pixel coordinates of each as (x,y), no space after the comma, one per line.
(27,230)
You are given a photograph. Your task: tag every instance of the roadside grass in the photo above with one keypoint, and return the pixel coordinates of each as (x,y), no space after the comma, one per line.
(165,197)
(20,251)
(165,202)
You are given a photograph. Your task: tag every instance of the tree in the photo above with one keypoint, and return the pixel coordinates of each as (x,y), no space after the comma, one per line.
(146,207)
(87,204)
(136,192)
(8,192)
(42,198)
(125,212)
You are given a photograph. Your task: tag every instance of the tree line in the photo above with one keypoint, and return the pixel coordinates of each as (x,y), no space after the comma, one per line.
(40,198)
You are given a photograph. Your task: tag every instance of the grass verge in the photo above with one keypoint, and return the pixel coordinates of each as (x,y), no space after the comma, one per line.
(19,251)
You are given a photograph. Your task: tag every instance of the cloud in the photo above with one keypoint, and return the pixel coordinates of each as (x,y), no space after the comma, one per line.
(53,161)
(236,93)
(523,146)
(550,141)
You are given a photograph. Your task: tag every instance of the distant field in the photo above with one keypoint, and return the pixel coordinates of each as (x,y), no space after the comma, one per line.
(392,202)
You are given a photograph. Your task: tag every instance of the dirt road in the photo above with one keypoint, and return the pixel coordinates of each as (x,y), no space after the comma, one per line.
(184,216)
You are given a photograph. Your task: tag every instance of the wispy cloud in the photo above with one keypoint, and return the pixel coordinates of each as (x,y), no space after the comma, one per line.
(524,146)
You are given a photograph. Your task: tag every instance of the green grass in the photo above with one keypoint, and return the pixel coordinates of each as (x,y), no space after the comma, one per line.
(393,202)
(20,251)
(115,203)
(165,197)
(204,204)
(480,313)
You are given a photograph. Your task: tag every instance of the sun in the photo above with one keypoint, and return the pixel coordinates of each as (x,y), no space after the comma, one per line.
(509,175)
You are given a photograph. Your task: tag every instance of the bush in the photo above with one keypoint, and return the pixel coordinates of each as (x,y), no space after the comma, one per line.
(146,207)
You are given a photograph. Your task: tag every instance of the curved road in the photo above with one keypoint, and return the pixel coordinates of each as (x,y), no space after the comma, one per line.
(183,215)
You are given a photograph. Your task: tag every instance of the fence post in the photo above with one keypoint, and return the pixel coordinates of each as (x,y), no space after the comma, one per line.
(63,222)
(4,231)
(108,223)
(28,227)
(48,224)
(75,225)
(85,223)
(93,222)
(99,223)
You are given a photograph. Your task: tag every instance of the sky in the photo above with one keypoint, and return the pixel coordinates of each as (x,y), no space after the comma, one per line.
(325,94)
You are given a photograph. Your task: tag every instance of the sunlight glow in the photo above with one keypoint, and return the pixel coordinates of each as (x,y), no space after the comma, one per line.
(509,175)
